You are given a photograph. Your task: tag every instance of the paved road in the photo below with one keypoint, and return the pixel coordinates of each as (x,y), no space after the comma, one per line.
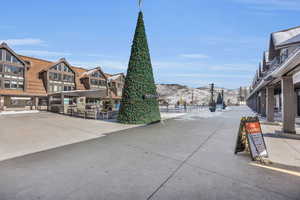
(189,158)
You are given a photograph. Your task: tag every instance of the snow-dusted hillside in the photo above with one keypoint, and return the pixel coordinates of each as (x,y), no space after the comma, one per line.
(173,93)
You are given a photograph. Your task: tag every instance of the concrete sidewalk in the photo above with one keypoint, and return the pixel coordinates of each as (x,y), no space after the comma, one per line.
(188,159)
(23,134)
(283,149)
(27,133)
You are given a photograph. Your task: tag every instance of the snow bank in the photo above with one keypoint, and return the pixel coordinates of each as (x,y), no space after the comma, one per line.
(18,112)
(201,114)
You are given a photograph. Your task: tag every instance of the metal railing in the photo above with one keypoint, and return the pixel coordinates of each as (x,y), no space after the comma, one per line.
(181,109)
(275,64)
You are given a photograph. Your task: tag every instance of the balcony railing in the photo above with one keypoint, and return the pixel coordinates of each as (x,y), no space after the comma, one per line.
(275,64)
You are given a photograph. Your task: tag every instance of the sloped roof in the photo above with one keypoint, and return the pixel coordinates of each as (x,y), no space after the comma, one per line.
(114,77)
(281,37)
(35,85)
(90,72)
(293,40)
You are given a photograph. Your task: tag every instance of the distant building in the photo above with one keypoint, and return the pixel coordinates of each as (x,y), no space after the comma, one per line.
(276,84)
(242,95)
(28,83)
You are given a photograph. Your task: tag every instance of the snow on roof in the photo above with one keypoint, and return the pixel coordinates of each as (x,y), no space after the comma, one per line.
(282,37)
(291,41)
(114,77)
(266,56)
(90,71)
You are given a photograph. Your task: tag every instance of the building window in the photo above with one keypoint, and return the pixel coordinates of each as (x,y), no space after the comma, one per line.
(14,85)
(59,67)
(15,60)
(94,82)
(98,82)
(21,85)
(68,78)
(19,71)
(7,69)
(7,84)
(68,88)
(8,57)
(54,76)
(1,54)
(13,73)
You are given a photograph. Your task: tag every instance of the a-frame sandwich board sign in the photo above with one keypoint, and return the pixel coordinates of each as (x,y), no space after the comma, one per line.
(250,136)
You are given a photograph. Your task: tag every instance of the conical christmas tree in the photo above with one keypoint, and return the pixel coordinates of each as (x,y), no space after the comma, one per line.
(219,99)
(139,103)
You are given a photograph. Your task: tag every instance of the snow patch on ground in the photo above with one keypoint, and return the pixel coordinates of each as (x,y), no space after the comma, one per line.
(165,116)
(201,114)
(18,112)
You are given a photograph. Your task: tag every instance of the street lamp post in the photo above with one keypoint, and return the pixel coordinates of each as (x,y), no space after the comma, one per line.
(212,103)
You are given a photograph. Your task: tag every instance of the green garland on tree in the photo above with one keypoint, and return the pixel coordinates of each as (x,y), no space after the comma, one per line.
(139,103)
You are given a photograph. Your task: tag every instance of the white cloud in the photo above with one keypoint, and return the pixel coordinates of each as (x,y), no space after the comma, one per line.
(234,41)
(170,64)
(194,56)
(212,75)
(234,67)
(112,64)
(95,55)
(272,4)
(23,42)
(43,53)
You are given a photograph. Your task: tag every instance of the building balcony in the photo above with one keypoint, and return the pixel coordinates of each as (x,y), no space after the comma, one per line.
(275,64)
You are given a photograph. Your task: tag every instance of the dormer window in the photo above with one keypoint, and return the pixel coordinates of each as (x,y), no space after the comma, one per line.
(96,82)
(97,75)
(61,78)
(11,71)
(94,79)
(10,58)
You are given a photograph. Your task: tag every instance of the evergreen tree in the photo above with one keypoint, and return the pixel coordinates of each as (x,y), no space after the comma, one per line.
(219,99)
(223,100)
(139,103)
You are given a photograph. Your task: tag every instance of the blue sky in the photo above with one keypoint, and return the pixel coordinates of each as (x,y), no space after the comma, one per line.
(192,42)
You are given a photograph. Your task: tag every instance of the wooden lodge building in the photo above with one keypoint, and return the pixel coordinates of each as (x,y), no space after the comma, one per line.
(28,83)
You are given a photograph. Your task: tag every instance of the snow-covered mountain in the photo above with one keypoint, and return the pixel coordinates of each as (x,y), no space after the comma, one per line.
(172,93)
